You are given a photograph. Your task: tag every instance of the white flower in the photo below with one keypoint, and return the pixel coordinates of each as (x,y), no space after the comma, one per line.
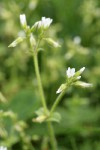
(43,23)
(70,72)
(3,148)
(23,20)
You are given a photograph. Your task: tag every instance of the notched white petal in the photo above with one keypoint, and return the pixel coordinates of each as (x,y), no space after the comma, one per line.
(70,72)
(44,23)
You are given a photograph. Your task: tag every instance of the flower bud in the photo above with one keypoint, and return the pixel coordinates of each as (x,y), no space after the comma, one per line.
(81,70)
(52,42)
(83,84)
(78,73)
(40,119)
(32,40)
(16,42)
(61,88)
(23,21)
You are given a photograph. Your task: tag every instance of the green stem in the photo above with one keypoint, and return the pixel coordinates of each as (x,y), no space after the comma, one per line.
(57,102)
(50,127)
(73,143)
(39,82)
(52,136)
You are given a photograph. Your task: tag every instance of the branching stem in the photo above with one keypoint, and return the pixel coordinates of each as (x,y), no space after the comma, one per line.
(42,97)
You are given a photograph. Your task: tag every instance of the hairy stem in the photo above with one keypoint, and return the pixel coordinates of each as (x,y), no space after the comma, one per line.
(57,102)
(39,82)
(52,136)
(49,124)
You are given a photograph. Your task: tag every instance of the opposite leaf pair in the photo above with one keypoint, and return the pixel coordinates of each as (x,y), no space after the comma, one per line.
(41,116)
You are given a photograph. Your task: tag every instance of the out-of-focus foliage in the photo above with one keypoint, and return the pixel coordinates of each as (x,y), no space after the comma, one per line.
(76,26)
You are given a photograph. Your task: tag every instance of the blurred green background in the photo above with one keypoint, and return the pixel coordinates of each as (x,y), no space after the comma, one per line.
(76,25)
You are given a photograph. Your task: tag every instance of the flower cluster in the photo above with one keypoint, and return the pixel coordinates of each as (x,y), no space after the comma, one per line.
(72,79)
(39,26)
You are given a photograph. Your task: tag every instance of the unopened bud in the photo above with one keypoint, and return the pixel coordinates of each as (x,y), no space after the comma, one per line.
(23,21)
(40,119)
(52,42)
(61,88)
(81,70)
(83,84)
(16,42)
(32,40)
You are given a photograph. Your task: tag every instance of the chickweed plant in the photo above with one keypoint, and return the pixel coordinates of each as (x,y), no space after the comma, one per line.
(34,36)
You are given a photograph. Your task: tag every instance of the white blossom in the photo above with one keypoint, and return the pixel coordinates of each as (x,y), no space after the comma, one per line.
(70,72)
(3,148)
(23,20)
(43,23)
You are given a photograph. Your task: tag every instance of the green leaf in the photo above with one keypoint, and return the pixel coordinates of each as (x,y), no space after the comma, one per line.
(56,117)
(24,104)
(39,112)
